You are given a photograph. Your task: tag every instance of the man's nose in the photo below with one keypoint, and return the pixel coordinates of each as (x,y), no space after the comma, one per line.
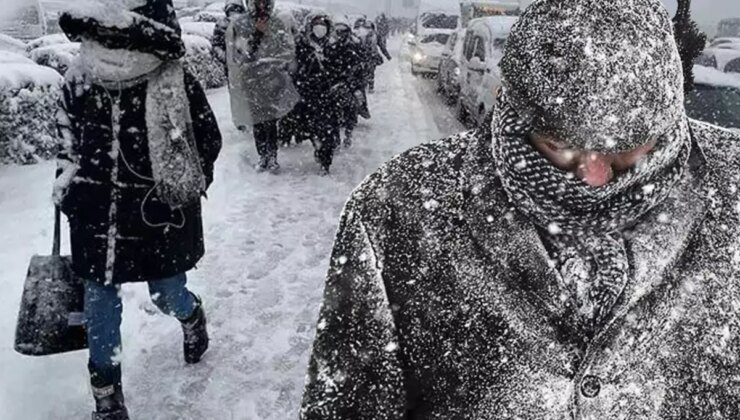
(595,169)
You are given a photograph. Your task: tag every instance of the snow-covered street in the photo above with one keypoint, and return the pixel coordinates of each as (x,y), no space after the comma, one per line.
(268,241)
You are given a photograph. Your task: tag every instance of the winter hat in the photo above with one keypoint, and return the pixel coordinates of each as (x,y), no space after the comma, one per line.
(147,26)
(598,75)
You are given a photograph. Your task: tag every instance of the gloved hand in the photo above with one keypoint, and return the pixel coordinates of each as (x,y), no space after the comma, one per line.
(63,181)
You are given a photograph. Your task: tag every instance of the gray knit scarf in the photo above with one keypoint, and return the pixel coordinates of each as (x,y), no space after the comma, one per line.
(581,221)
(177,172)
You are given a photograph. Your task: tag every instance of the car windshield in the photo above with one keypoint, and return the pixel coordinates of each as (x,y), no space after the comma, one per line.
(439,21)
(715,105)
(438,38)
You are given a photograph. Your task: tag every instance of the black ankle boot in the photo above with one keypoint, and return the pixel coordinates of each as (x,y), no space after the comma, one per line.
(195,335)
(108,394)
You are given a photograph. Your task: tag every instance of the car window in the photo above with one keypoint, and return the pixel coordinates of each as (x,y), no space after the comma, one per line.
(480,48)
(715,105)
(468,46)
(499,43)
(438,38)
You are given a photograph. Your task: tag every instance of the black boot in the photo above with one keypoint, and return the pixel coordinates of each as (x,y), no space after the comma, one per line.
(108,394)
(195,335)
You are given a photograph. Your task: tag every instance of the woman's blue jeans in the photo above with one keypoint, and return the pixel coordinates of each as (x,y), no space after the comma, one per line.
(103,308)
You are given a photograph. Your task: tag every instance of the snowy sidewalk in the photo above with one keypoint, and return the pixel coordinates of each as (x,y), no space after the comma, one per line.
(268,241)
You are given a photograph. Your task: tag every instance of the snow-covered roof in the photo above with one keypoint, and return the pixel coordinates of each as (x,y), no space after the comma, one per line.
(17,76)
(713,77)
(8,43)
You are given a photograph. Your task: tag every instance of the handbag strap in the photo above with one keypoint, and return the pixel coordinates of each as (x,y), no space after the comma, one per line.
(55,251)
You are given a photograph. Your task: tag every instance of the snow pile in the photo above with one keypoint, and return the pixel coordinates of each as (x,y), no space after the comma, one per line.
(713,77)
(47,40)
(203,29)
(58,56)
(14,58)
(29,94)
(8,43)
(201,62)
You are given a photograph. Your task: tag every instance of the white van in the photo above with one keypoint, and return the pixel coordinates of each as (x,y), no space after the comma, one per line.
(480,75)
(430,35)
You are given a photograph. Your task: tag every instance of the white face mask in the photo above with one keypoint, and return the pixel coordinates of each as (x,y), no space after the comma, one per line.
(320,31)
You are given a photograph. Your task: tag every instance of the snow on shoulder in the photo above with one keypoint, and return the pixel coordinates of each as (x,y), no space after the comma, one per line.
(713,77)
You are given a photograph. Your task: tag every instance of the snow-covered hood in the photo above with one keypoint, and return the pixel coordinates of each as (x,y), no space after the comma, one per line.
(599,87)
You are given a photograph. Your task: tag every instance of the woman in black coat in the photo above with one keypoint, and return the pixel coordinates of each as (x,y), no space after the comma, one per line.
(140,145)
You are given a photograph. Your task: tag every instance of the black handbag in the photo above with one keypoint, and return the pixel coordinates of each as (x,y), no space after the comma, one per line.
(51,316)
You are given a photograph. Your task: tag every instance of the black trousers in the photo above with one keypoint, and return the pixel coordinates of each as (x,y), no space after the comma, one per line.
(266,138)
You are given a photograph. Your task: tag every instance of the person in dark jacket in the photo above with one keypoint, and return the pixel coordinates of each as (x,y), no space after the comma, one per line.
(140,146)
(375,50)
(574,258)
(232,8)
(315,79)
(345,55)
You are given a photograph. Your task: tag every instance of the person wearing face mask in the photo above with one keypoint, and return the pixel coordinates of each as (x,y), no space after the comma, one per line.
(261,57)
(345,56)
(314,79)
(139,145)
(573,258)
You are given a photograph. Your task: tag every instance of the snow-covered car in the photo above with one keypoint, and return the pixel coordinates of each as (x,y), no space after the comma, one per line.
(204,29)
(57,56)
(431,33)
(716,97)
(722,54)
(23,19)
(483,48)
(448,79)
(212,13)
(727,43)
(29,95)
(8,43)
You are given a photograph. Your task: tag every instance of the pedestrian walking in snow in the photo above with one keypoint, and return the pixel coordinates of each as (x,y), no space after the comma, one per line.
(375,50)
(261,58)
(140,145)
(345,57)
(232,8)
(315,79)
(574,258)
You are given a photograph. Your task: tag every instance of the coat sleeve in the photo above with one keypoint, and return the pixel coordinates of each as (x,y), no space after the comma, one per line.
(355,371)
(205,128)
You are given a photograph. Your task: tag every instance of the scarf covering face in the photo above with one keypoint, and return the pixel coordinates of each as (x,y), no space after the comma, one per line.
(581,220)
(176,168)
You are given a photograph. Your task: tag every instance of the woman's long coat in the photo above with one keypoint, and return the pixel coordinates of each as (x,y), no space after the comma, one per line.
(440,302)
(119,231)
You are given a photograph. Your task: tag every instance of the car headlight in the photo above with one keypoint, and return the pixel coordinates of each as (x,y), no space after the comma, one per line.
(418,56)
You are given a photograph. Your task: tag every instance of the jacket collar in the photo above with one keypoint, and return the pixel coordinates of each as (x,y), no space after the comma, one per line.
(658,244)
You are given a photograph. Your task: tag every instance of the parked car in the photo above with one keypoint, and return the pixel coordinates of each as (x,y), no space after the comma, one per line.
(483,48)
(23,20)
(448,79)
(431,33)
(716,97)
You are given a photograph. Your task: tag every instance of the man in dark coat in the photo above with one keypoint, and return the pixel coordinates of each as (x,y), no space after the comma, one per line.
(140,145)
(314,79)
(345,57)
(575,258)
